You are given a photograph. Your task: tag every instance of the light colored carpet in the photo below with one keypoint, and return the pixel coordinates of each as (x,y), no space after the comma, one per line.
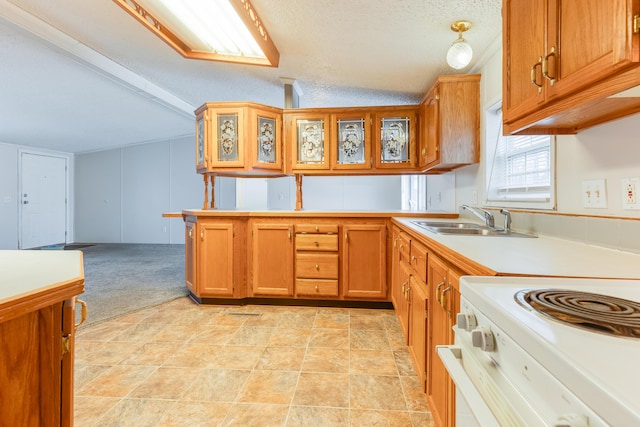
(122,278)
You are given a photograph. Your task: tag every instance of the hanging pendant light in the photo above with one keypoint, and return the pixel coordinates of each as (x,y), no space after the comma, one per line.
(460,52)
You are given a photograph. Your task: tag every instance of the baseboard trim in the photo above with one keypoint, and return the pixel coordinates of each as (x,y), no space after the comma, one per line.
(292,302)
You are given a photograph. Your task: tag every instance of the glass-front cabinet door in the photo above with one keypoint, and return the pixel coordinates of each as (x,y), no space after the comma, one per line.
(351,141)
(265,130)
(308,141)
(227,137)
(202,150)
(395,139)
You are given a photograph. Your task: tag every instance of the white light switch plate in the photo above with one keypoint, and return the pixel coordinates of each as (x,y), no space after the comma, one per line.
(594,193)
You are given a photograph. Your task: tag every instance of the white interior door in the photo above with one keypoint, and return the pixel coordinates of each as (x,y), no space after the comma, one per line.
(43,212)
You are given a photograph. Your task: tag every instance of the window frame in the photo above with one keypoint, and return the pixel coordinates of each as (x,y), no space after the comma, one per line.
(493,131)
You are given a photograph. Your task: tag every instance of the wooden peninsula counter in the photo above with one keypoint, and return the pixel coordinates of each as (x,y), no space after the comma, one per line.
(38,292)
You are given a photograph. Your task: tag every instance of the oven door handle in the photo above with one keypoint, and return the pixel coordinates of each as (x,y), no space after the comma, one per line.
(451,356)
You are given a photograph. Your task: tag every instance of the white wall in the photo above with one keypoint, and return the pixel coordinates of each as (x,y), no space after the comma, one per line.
(121,194)
(609,151)
(8,196)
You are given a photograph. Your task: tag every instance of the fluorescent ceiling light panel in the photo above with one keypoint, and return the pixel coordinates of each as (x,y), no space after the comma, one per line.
(216,30)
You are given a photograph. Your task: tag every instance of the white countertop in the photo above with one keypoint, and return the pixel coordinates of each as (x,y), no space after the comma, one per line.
(30,271)
(541,256)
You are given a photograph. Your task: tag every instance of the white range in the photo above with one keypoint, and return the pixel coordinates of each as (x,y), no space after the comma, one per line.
(546,352)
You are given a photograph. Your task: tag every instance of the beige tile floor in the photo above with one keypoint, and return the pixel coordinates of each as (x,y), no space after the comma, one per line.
(180,364)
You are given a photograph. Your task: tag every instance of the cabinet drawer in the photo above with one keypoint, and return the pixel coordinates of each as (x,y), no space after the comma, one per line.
(317,266)
(419,259)
(403,244)
(316,242)
(317,287)
(316,228)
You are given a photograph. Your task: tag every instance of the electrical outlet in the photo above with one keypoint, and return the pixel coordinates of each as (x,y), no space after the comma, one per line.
(630,193)
(594,194)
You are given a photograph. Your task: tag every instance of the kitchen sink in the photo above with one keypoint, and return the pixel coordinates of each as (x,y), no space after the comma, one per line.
(466,229)
(437,224)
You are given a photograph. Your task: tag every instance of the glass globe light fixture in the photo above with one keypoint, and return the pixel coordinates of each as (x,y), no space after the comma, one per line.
(460,52)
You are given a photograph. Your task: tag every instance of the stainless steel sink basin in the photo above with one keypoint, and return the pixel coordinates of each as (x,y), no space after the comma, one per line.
(437,224)
(466,229)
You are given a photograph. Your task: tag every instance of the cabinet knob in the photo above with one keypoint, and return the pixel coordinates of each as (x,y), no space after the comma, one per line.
(424,152)
(317,228)
(317,287)
(316,243)
(317,267)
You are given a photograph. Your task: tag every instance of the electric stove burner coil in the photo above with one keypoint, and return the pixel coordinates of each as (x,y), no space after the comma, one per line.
(595,312)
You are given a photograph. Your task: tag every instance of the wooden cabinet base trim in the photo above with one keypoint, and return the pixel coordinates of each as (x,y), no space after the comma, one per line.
(382,305)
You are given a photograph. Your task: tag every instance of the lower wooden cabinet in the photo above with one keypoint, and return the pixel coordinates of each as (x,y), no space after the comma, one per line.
(418,312)
(444,303)
(190,248)
(272,259)
(364,259)
(216,256)
(324,258)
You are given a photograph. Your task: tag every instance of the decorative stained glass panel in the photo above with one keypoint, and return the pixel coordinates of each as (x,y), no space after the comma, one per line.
(394,140)
(200,141)
(266,140)
(351,142)
(310,141)
(228,137)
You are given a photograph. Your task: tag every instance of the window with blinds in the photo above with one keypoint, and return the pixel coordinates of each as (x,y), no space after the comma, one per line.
(520,169)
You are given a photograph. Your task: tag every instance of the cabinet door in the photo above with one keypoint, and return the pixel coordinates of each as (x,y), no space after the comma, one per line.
(523,30)
(351,141)
(265,133)
(394,138)
(202,147)
(588,40)
(308,140)
(190,256)
(438,378)
(215,258)
(418,303)
(227,137)
(429,128)
(364,261)
(401,298)
(272,259)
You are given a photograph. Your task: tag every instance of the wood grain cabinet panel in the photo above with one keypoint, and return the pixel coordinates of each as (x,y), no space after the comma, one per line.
(563,59)
(216,261)
(317,265)
(272,259)
(364,258)
(450,124)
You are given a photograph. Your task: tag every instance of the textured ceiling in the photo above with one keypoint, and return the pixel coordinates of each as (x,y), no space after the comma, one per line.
(120,85)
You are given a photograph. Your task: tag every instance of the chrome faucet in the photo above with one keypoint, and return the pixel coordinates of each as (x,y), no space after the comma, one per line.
(507,219)
(486,216)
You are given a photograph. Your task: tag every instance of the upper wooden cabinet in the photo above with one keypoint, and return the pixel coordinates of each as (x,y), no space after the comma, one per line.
(235,137)
(450,124)
(351,140)
(307,141)
(394,138)
(562,61)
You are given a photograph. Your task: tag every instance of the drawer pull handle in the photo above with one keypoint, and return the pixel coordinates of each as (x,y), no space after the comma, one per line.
(317,228)
(316,243)
(317,267)
(317,287)
(84,310)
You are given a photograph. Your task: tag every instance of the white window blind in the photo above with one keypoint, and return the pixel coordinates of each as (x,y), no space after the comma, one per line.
(521,168)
